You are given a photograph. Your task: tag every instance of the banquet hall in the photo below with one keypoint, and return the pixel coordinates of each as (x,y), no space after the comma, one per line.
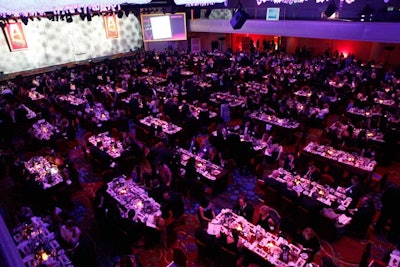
(200,133)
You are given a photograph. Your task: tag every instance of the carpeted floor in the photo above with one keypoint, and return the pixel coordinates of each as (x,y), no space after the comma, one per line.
(346,252)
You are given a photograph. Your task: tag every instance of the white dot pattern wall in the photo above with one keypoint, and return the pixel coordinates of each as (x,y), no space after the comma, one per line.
(58,42)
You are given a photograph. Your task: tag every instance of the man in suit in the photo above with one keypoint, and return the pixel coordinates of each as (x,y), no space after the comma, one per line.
(290,163)
(289,192)
(362,218)
(244,209)
(354,191)
(313,172)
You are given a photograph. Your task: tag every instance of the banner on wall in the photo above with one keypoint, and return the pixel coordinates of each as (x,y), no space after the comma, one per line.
(111,26)
(15,36)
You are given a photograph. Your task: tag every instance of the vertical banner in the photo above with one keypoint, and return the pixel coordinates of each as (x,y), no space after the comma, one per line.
(111,25)
(15,36)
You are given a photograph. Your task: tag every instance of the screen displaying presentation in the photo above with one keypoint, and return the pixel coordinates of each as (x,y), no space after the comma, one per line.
(163,27)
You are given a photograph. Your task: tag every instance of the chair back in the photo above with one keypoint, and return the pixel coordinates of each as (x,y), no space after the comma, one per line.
(227,258)
(179,257)
(287,207)
(271,197)
(327,179)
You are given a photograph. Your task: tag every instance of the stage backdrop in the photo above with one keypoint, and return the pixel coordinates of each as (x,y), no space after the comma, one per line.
(58,42)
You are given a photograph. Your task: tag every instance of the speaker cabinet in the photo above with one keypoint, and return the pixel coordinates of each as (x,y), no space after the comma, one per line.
(331,9)
(238,19)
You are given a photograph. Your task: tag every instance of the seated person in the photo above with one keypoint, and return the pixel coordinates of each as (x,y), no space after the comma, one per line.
(313,173)
(311,203)
(70,233)
(288,190)
(23,215)
(354,191)
(244,209)
(271,181)
(290,163)
(309,242)
(231,242)
(269,219)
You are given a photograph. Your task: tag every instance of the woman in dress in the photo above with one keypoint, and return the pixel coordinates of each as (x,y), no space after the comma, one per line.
(268,219)
(205,212)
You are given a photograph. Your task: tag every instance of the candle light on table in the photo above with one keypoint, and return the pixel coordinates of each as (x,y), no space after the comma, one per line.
(44,256)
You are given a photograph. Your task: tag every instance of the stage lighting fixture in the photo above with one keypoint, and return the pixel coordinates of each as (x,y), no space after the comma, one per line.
(82,14)
(367,14)
(331,9)
(88,14)
(239,17)
(69,17)
(120,13)
(24,20)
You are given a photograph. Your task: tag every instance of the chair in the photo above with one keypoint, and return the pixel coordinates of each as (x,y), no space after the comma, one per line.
(227,258)
(179,257)
(62,146)
(276,156)
(365,256)
(287,207)
(304,217)
(202,251)
(325,141)
(378,182)
(87,136)
(327,179)
(326,228)
(271,197)
(276,218)
(107,175)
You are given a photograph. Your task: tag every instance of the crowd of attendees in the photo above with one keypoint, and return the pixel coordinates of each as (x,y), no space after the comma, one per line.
(170,86)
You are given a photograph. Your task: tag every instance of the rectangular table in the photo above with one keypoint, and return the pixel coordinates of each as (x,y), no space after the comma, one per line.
(356,164)
(45,173)
(209,173)
(107,144)
(257,240)
(130,196)
(38,246)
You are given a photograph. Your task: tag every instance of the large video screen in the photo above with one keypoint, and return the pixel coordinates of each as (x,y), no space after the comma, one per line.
(164,27)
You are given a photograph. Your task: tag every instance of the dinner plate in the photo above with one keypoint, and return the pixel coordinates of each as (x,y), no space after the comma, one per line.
(215,172)
(304,255)
(18,237)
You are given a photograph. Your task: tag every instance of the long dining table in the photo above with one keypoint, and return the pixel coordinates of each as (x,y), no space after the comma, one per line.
(345,160)
(131,196)
(269,247)
(208,173)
